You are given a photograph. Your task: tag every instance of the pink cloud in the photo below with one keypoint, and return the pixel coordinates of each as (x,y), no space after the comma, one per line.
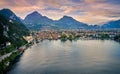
(94,11)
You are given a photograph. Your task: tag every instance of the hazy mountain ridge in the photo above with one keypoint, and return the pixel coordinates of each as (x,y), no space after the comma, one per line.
(112,24)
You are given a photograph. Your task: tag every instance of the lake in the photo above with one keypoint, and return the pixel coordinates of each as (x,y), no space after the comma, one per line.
(76,57)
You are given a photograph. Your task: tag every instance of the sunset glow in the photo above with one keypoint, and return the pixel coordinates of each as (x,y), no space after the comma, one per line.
(88,11)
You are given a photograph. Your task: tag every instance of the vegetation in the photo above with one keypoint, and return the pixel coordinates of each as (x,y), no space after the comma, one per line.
(104,36)
(63,37)
(9,48)
(11,37)
(117,38)
(12,32)
(70,37)
(4,64)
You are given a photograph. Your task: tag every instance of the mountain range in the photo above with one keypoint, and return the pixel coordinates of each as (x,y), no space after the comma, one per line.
(36,21)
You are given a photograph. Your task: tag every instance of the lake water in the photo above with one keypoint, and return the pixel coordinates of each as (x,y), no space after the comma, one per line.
(76,57)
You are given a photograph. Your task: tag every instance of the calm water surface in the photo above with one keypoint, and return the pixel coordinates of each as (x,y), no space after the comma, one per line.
(76,57)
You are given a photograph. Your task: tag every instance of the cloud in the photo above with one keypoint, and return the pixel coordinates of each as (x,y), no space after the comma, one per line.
(89,11)
(77,1)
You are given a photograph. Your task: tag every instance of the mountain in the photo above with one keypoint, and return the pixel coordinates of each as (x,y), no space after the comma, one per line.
(36,21)
(111,24)
(11,29)
(7,13)
(67,22)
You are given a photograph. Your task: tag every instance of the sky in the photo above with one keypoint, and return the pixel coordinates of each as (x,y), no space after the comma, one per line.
(87,11)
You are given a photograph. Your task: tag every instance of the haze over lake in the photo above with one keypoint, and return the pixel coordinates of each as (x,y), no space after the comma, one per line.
(76,57)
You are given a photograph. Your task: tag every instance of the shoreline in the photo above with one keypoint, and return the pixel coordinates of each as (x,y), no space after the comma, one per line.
(7,63)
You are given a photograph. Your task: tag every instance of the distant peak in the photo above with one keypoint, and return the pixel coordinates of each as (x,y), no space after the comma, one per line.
(65,16)
(36,12)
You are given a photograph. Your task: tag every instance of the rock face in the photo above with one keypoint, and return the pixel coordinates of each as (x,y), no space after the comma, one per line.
(11,28)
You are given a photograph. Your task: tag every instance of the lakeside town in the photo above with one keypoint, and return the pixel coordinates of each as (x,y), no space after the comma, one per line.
(71,35)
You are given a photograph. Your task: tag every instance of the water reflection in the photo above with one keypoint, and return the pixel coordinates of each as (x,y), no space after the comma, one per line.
(76,57)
